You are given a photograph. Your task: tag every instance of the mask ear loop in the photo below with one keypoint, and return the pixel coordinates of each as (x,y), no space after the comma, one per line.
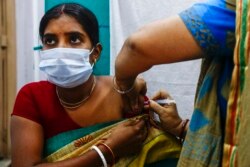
(94,63)
(94,48)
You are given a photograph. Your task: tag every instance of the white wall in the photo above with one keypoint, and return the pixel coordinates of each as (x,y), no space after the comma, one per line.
(178,79)
(28,14)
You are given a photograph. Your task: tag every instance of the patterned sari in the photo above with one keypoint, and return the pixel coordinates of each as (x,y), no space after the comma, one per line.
(212,24)
(216,144)
(159,149)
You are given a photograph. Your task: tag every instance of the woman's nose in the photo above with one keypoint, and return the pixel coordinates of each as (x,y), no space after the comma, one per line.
(62,44)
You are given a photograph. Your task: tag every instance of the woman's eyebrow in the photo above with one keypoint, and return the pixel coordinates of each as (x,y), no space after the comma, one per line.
(75,33)
(48,35)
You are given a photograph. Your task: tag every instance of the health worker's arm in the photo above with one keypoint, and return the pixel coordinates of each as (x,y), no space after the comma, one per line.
(161,42)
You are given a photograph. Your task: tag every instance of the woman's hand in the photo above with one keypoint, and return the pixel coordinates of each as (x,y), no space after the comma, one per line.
(127,138)
(168,114)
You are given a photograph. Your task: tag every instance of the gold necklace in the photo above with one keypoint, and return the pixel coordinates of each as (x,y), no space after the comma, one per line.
(72,106)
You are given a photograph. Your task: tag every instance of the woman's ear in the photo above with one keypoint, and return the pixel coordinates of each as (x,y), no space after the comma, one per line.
(96,52)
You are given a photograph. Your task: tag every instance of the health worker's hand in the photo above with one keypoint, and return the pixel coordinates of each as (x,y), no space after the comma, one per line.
(168,114)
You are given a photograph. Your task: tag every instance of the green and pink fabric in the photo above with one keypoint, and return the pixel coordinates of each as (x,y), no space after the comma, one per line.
(237,138)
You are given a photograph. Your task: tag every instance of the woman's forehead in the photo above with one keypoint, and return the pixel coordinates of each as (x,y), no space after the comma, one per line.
(64,24)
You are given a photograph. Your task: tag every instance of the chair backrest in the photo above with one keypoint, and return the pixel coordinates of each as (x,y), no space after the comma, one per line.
(101,9)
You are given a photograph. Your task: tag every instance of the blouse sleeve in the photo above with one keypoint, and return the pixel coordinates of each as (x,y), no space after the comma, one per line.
(25,105)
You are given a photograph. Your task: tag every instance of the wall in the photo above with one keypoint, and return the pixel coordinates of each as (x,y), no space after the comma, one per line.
(28,15)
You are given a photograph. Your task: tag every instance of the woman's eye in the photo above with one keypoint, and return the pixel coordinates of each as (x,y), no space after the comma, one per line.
(75,39)
(49,41)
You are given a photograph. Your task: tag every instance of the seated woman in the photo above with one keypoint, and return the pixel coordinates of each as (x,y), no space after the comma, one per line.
(75,118)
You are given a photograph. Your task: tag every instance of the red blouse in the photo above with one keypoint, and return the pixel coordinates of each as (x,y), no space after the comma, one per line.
(38,102)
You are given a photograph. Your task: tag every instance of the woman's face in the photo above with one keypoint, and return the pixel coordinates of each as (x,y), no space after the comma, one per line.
(65,32)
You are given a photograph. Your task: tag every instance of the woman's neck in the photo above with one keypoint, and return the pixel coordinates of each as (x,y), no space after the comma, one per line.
(75,97)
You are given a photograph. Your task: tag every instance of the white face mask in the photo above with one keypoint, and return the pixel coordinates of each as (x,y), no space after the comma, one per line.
(66,67)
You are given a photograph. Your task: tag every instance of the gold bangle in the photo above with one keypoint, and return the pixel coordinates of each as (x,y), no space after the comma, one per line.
(110,150)
(121,91)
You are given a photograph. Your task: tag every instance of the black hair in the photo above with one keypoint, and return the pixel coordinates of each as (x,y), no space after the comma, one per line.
(84,16)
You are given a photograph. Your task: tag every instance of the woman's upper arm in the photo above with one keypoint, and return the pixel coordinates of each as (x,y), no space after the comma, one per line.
(26,142)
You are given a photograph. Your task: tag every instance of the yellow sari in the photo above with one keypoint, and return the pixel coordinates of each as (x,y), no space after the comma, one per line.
(157,147)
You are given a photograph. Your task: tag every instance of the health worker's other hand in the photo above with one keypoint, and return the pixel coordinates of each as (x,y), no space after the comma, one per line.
(168,114)
(127,138)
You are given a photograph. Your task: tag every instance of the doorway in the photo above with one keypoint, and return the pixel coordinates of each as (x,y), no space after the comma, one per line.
(7,72)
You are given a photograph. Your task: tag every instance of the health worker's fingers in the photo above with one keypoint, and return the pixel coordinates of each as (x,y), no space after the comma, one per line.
(161,95)
(155,107)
